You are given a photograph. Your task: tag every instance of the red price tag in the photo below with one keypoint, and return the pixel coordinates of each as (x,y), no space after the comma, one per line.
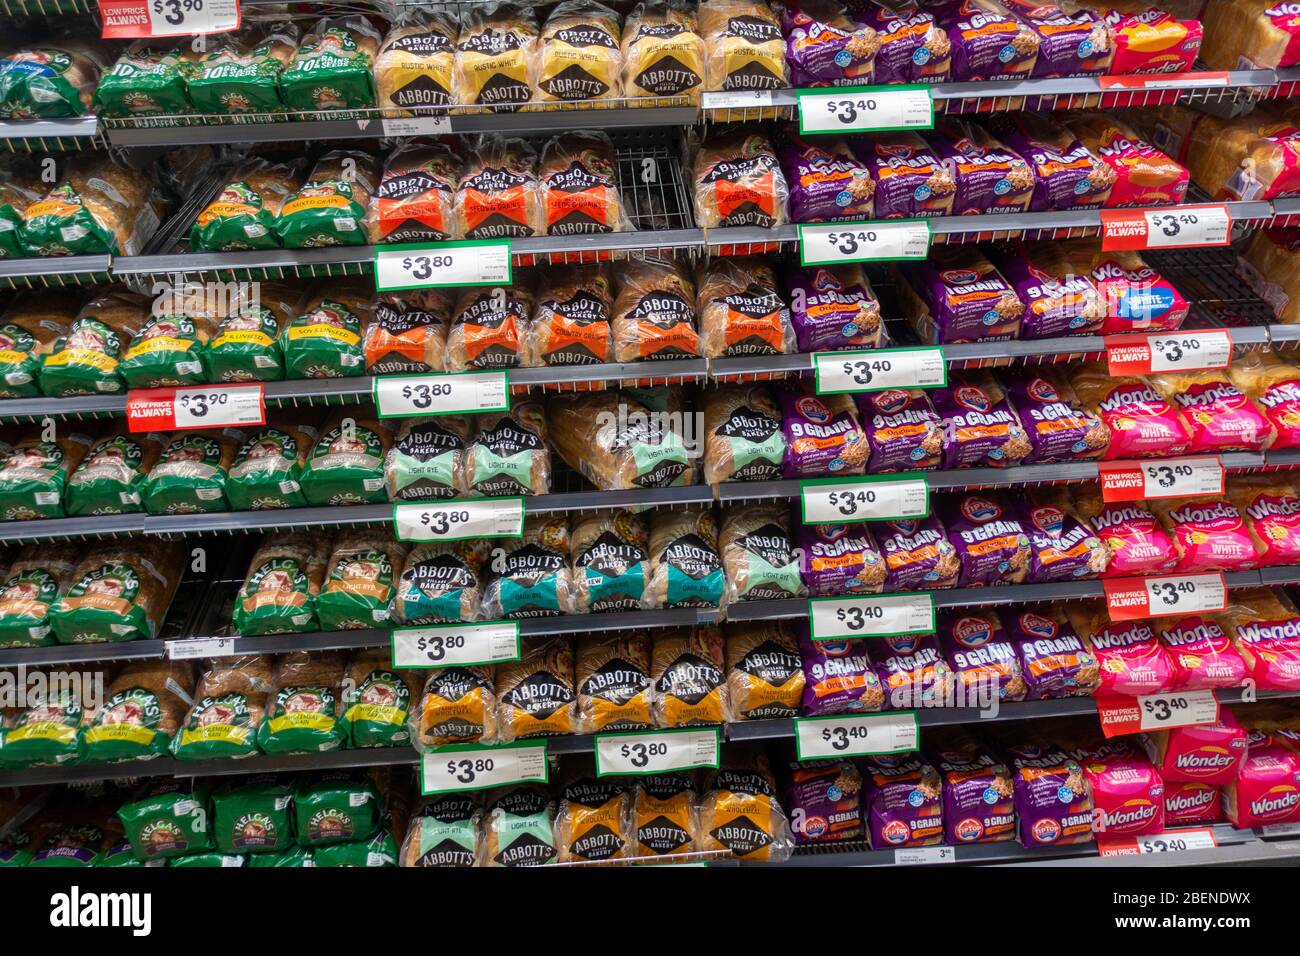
(1134,599)
(1174,227)
(1168,352)
(1164,478)
(1165,81)
(195,406)
(1135,715)
(1171,841)
(136,19)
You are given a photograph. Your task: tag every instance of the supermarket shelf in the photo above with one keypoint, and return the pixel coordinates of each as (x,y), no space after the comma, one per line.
(48,135)
(53,271)
(48,529)
(44,8)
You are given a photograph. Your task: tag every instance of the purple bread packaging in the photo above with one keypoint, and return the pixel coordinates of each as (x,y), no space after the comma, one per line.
(834,308)
(1058,427)
(838,677)
(1057,300)
(990,178)
(918,554)
(912,671)
(1055,660)
(1069,44)
(958,295)
(1062,546)
(839,559)
(825,44)
(981,429)
(823,799)
(982,659)
(904,800)
(990,540)
(822,433)
(904,431)
(913,49)
(1053,807)
(910,180)
(988,42)
(827,183)
(1066,174)
(978,795)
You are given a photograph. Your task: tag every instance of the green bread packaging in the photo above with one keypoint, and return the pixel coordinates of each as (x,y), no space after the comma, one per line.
(47,731)
(360,582)
(170,818)
(330,208)
(85,360)
(346,466)
(210,860)
(242,215)
(254,815)
(169,350)
(378,706)
(30,329)
(190,476)
(147,80)
(241,72)
(48,82)
(246,344)
(336,807)
(380,850)
(119,592)
(333,67)
(34,475)
(145,705)
(324,341)
(36,579)
(280,589)
(108,481)
(229,701)
(304,714)
(294,856)
(267,471)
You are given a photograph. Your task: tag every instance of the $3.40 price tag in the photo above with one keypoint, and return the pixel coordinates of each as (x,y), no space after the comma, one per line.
(833,243)
(856,735)
(455,645)
(1168,352)
(885,615)
(450,393)
(880,369)
(1131,599)
(1173,841)
(133,19)
(860,109)
(620,755)
(873,498)
(432,265)
(195,406)
(1131,715)
(458,520)
(1171,478)
(476,767)
(1180,227)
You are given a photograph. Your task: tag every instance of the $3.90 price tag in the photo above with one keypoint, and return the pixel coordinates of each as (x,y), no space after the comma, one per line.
(884,615)
(856,735)
(873,498)
(476,767)
(450,393)
(133,19)
(620,755)
(838,242)
(861,109)
(1173,841)
(455,645)
(458,520)
(1171,478)
(1168,352)
(1182,227)
(433,265)
(1130,599)
(880,369)
(1131,715)
(195,406)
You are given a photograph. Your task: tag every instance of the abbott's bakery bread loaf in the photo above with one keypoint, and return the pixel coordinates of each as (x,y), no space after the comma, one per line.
(519,829)
(654,314)
(280,589)
(416,195)
(499,195)
(665,817)
(241,72)
(457,705)
(743,439)
(532,577)
(332,68)
(594,819)
(508,454)
(360,581)
(496,56)
(442,582)
(580,54)
(571,325)
(741,312)
(427,458)
(685,567)
(580,185)
(610,561)
(143,708)
(409,333)
(119,592)
(330,208)
(536,695)
(488,327)
(613,680)
(738,180)
(764,670)
(98,208)
(1250,35)
(663,53)
(758,557)
(743,46)
(740,812)
(417,60)
(242,215)
(444,832)
(617,442)
(687,669)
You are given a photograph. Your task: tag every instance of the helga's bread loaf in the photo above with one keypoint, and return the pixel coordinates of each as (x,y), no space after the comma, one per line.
(378,700)
(280,589)
(45,81)
(245,345)
(617,442)
(143,708)
(324,340)
(98,208)
(496,56)
(743,439)
(663,53)
(29,330)
(267,470)
(32,583)
(330,208)
(417,60)
(333,66)
(610,561)
(34,474)
(241,71)
(190,474)
(108,479)
(346,465)
(580,54)
(148,79)
(303,710)
(119,593)
(242,216)
(85,360)
(360,581)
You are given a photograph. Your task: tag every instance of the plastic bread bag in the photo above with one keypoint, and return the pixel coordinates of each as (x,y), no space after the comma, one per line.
(167,818)
(508,454)
(759,560)
(654,311)
(913,47)
(190,475)
(981,429)
(427,459)
(902,797)
(823,798)
(409,333)
(571,325)
(990,540)
(983,661)
(1147,38)
(81,833)
(85,360)
(360,581)
(1138,298)
(593,820)
(169,350)
(30,328)
(383,847)
(826,44)
(765,678)
(417,61)
(978,805)
(109,480)
(1137,542)
(34,473)
(1208,532)
(31,584)
(148,79)
(617,442)
(346,465)
(685,568)
(1249,35)
(1063,547)
(497,58)
(532,578)
(444,832)
(833,308)
(245,346)
(333,66)
(610,561)
(903,430)
(415,199)
(1130,657)
(229,702)
(1072,40)
(241,72)
(580,54)
(917,554)
(1055,660)
(253,815)
(741,312)
(663,53)
(958,295)
(243,214)
(740,812)
(47,82)
(1141,423)
(687,669)
(744,48)
(1271,512)
(338,806)
(324,340)
(822,432)
(913,672)
(743,438)
(46,730)
(1221,417)
(1265,627)
(1269,265)
(827,182)
(267,471)
(911,178)
(1202,654)
(442,582)
(536,695)
(378,700)
(1144,175)
(488,327)
(456,705)
(988,176)
(1273,385)
(304,710)
(99,208)
(499,195)
(665,815)
(1068,175)
(738,179)
(988,41)
(519,828)
(279,592)
(579,178)
(1059,298)
(329,209)
(613,682)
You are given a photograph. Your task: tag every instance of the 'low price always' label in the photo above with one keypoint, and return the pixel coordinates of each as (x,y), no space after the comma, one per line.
(861,109)
(880,369)
(455,645)
(136,19)
(458,520)
(831,244)
(1131,599)
(431,265)
(195,406)
(1173,841)
(451,393)
(620,755)
(883,615)
(475,767)
(1178,227)
(1168,352)
(873,498)
(1131,715)
(856,735)
(1171,478)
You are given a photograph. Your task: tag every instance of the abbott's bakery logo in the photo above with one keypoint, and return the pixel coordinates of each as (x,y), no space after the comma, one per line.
(76,909)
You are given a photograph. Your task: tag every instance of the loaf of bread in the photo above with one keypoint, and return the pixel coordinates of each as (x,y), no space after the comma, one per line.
(488,327)
(280,589)
(531,577)
(457,705)
(498,195)
(741,311)
(360,581)
(1256,156)
(241,71)
(119,592)
(409,333)
(415,201)
(571,325)
(663,54)
(738,180)
(654,313)
(496,56)
(611,551)
(330,208)
(685,567)
(744,48)
(442,582)
(580,185)
(1270,264)
(148,79)
(688,673)
(743,438)
(536,694)
(427,459)
(616,442)
(98,208)
(758,555)
(1250,35)
(764,671)
(333,67)
(417,61)
(508,454)
(613,681)
(580,54)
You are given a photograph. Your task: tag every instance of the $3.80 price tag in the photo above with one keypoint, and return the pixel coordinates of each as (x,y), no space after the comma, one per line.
(433,265)
(873,498)
(455,645)
(1130,599)
(856,735)
(880,369)
(134,19)
(1171,478)
(1168,352)
(476,767)
(860,109)
(620,755)
(884,615)
(450,393)
(838,242)
(458,520)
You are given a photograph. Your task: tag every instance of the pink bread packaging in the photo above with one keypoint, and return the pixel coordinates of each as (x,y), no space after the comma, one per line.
(1267,791)
(1128,794)
(1208,533)
(1265,627)
(1203,753)
(1148,39)
(904,799)
(1202,654)
(1138,299)
(978,795)
(1131,659)
(1055,660)
(1141,423)
(1273,384)
(1136,541)
(1272,514)
(1190,803)
(1219,414)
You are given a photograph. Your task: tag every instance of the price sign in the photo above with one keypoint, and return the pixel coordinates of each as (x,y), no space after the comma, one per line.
(924,855)
(738,100)
(873,498)
(877,615)
(834,243)
(1165,81)
(432,265)
(201,647)
(862,109)
(1132,599)
(195,406)
(1168,352)
(1131,715)
(1170,478)
(455,645)
(451,393)
(458,520)
(477,767)
(439,125)
(135,19)
(856,735)
(1176,227)
(880,369)
(620,755)
(1173,841)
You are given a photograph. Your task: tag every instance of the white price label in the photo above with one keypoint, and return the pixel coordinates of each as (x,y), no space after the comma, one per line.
(1186,594)
(838,242)
(218,406)
(924,855)
(1280,829)
(1190,351)
(737,100)
(1188,226)
(657,752)
(860,109)
(864,499)
(1179,709)
(167,18)
(458,520)
(880,369)
(456,645)
(884,615)
(436,264)
(473,767)
(453,393)
(855,735)
(1182,477)
(1177,841)
(439,125)
(200,647)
